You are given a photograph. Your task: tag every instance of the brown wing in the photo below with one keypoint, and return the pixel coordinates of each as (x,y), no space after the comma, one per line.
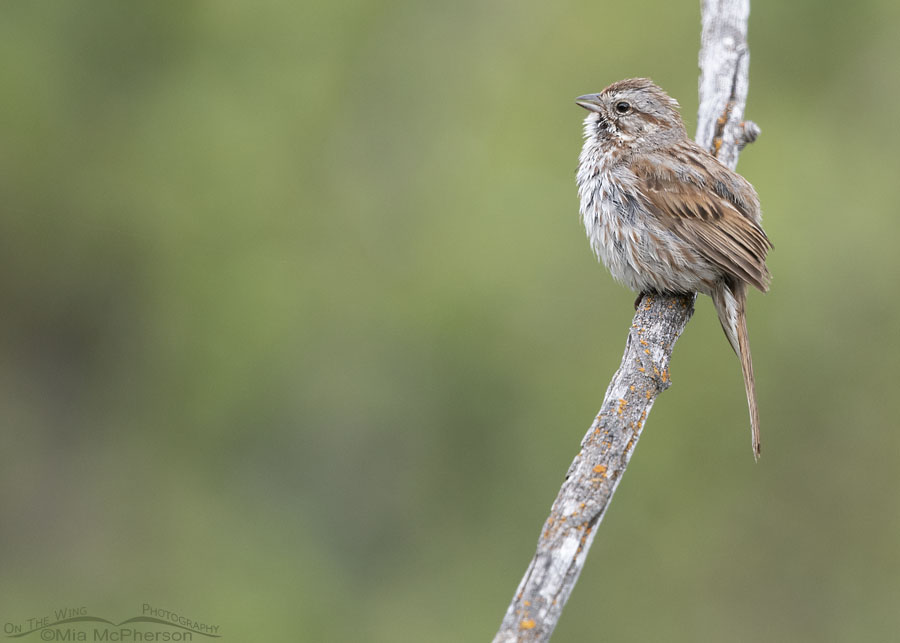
(710,207)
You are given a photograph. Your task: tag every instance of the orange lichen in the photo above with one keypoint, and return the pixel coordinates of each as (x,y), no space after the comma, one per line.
(644,342)
(584,538)
(527,624)
(600,469)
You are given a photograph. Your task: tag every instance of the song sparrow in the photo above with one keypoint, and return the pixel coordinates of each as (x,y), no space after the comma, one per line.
(666,216)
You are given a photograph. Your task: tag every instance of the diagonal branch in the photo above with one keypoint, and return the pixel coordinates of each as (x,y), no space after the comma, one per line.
(606,449)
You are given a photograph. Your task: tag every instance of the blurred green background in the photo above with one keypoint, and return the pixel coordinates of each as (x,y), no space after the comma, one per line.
(301,331)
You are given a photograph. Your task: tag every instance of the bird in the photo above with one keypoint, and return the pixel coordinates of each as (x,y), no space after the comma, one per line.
(666,216)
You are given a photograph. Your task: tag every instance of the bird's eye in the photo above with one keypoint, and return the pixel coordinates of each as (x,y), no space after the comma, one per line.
(622,107)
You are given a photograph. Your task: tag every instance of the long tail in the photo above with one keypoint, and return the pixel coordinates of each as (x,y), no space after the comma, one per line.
(730,299)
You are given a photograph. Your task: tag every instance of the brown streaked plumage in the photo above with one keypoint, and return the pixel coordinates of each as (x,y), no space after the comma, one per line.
(664,215)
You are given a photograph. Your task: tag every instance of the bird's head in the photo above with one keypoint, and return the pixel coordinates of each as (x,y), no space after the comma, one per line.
(632,112)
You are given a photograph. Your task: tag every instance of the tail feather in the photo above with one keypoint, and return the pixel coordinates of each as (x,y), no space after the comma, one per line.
(730,300)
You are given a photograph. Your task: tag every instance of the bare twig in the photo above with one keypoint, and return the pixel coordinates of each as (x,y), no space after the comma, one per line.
(606,449)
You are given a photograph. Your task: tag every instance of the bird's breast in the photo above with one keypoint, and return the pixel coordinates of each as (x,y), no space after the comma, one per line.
(612,219)
(626,237)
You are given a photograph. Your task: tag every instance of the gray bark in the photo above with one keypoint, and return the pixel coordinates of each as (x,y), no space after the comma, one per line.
(595,473)
(724,80)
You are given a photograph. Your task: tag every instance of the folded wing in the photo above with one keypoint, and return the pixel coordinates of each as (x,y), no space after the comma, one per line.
(705,207)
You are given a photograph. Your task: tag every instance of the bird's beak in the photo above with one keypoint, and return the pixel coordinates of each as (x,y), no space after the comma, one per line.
(590,102)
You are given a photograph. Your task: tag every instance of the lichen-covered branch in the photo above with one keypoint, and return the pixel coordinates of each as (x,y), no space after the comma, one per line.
(644,373)
(597,470)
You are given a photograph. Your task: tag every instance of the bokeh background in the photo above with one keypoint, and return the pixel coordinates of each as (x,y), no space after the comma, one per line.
(300,330)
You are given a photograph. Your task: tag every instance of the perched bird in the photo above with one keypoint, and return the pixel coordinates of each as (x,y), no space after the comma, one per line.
(665,216)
